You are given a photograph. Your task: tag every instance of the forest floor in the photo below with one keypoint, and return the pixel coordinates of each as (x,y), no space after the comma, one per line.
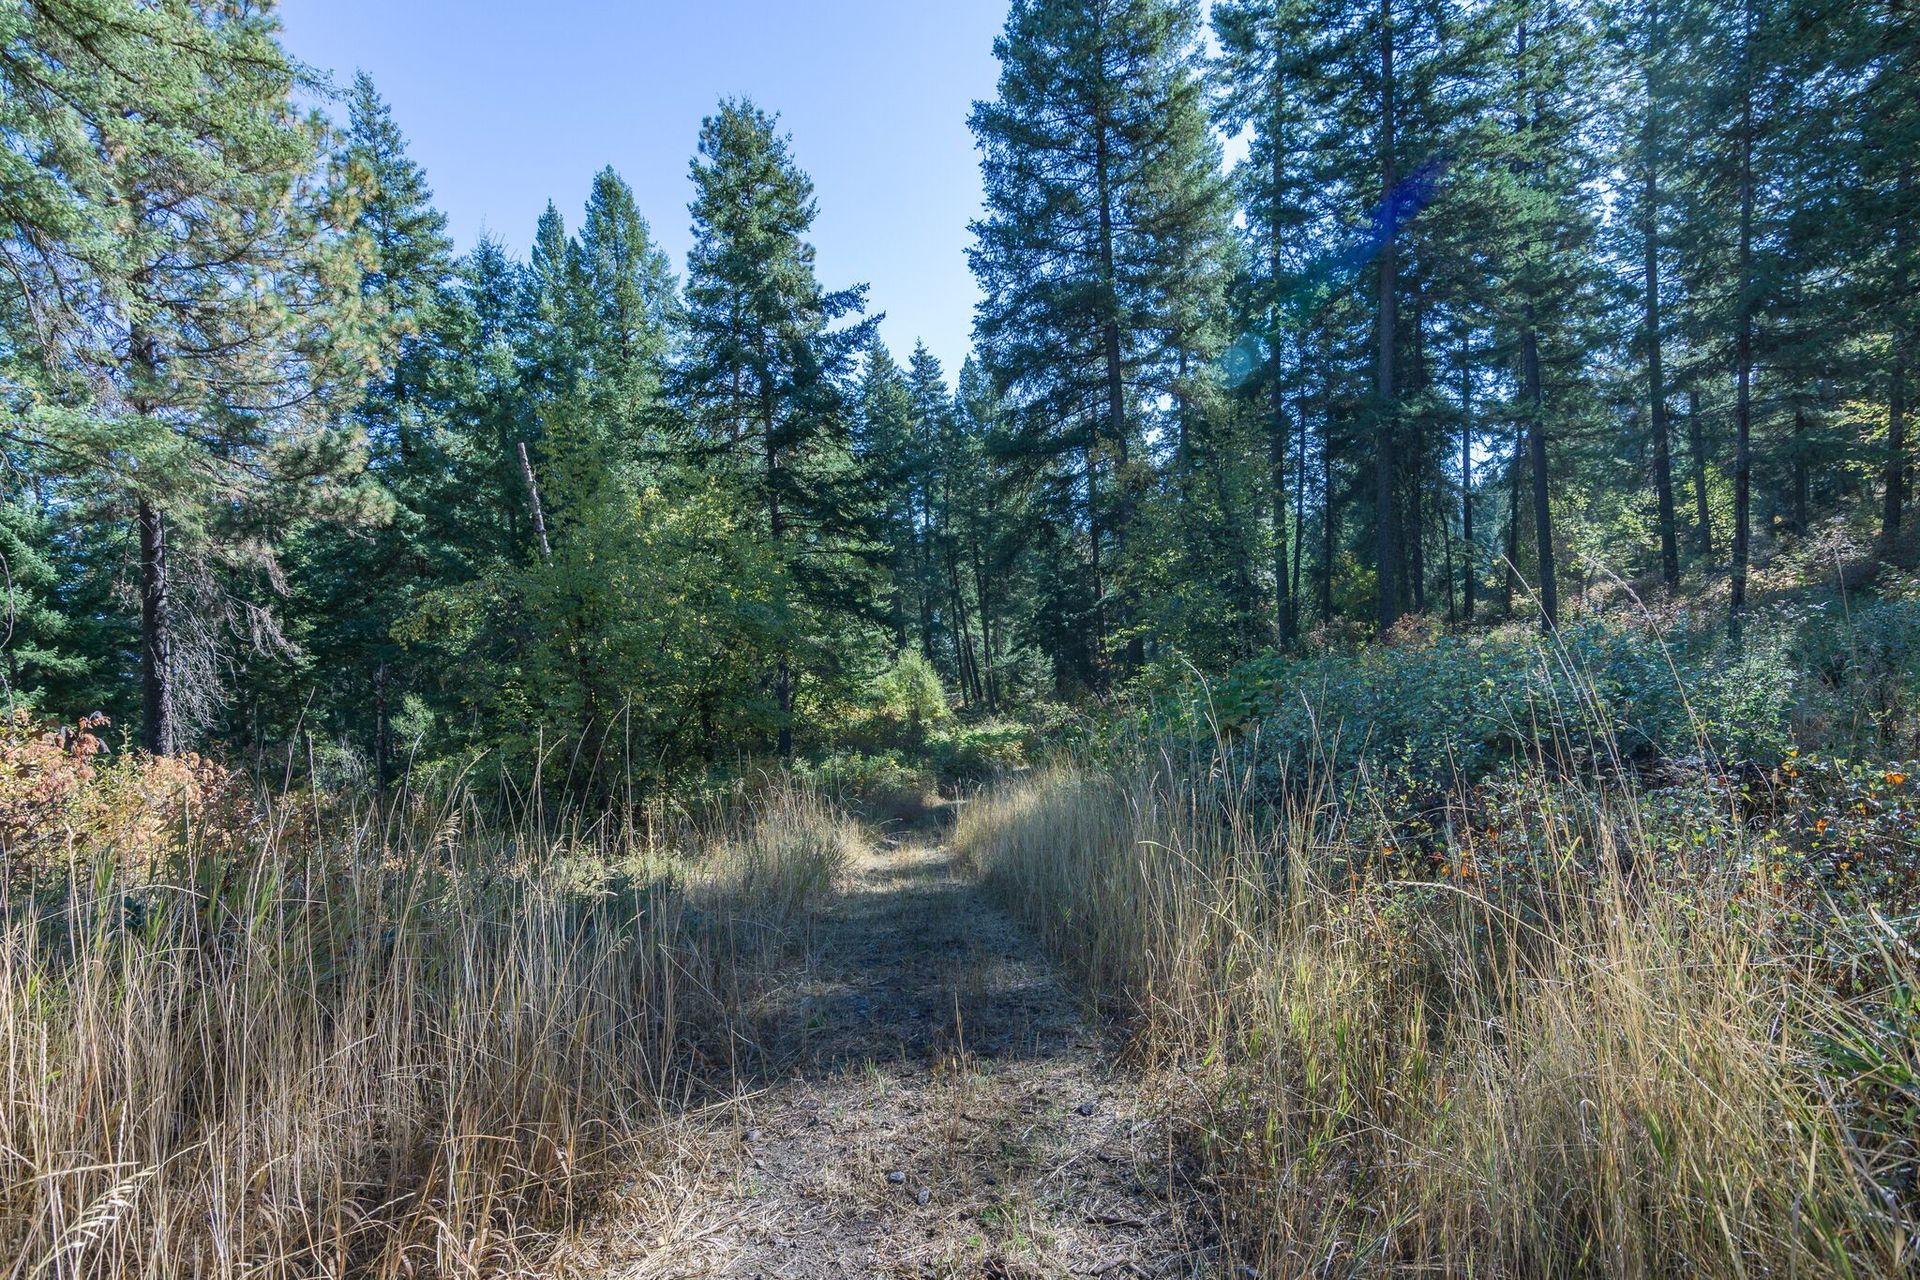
(934,1104)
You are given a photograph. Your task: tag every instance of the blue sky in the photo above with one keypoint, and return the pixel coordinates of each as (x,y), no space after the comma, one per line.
(509,104)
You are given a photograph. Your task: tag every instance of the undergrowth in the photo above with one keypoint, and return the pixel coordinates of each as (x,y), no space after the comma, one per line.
(321,1037)
(1528,991)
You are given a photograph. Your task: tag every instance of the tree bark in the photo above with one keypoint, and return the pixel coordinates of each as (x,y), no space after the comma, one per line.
(1650,250)
(777,532)
(1697,447)
(1743,347)
(1893,510)
(158,731)
(1512,579)
(1116,407)
(1537,454)
(1283,620)
(1385,516)
(533,501)
(1466,483)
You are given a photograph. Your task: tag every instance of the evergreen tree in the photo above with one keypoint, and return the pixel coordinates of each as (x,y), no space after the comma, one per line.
(216,323)
(354,586)
(631,304)
(763,379)
(1102,193)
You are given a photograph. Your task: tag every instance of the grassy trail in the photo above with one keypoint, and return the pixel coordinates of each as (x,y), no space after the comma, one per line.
(928,1101)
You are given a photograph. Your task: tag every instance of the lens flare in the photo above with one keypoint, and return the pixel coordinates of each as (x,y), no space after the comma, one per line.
(1243,359)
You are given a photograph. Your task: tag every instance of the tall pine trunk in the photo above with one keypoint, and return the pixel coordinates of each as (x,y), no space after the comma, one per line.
(1893,510)
(777,532)
(1385,516)
(1697,449)
(158,731)
(1299,509)
(1650,250)
(1511,581)
(1329,523)
(1277,478)
(1283,606)
(1802,478)
(1466,482)
(1116,407)
(1537,456)
(1743,346)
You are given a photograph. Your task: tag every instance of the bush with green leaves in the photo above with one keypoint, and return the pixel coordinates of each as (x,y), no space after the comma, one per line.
(1597,693)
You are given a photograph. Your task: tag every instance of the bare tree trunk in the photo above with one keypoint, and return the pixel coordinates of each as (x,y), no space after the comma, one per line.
(1894,508)
(1116,407)
(1299,510)
(1277,478)
(777,533)
(1802,479)
(1329,523)
(1891,513)
(1093,556)
(1512,580)
(533,502)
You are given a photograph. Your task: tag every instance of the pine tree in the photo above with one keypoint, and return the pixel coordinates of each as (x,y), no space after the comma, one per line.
(354,586)
(886,445)
(763,381)
(631,301)
(1102,192)
(220,316)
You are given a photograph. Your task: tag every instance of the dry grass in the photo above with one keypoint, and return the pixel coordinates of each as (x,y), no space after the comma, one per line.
(362,1043)
(1576,1071)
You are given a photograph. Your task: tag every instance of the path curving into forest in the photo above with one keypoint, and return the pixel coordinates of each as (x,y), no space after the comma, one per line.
(935,1105)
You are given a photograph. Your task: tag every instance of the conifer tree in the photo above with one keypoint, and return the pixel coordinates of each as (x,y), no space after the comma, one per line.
(353,585)
(216,312)
(1102,192)
(631,304)
(764,378)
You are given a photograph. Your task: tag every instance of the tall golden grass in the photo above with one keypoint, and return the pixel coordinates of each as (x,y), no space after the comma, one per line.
(1572,1070)
(337,1041)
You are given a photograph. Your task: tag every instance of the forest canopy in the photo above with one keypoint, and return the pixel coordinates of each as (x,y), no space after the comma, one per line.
(1500,306)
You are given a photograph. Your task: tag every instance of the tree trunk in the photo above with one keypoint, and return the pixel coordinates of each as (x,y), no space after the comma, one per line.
(1894,509)
(1466,483)
(382,730)
(1697,447)
(1277,475)
(158,731)
(1093,557)
(1116,407)
(1802,480)
(1512,579)
(1537,454)
(1743,350)
(777,532)
(533,502)
(1385,517)
(1299,510)
(1896,479)
(1650,252)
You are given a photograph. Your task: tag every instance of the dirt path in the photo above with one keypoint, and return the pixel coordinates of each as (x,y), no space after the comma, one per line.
(936,1106)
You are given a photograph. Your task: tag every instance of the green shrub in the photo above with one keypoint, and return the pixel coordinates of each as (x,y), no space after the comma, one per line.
(911,695)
